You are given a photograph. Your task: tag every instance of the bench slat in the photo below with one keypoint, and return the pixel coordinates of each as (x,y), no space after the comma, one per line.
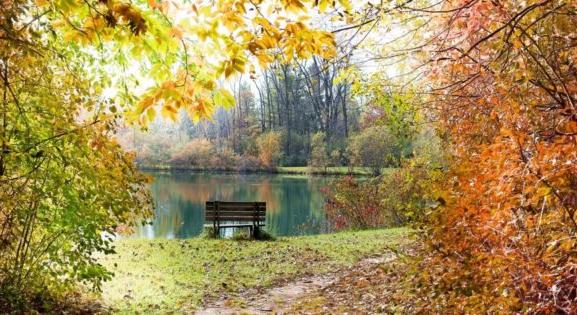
(237,213)
(236,204)
(241,208)
(236,210)
(237,225)
(233,218)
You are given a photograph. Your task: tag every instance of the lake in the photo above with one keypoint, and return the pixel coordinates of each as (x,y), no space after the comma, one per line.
(294,202)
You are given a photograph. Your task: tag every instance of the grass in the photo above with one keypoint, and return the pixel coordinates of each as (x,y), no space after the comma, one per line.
(164,276)
(333,170)
(301,170)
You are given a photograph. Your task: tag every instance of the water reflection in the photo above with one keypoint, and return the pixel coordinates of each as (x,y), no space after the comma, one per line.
(294,203)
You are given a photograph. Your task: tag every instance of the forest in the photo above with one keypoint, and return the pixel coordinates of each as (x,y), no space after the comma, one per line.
(301,114)
(398,156)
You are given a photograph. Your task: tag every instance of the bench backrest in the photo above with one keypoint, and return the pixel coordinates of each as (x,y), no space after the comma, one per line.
(235,211)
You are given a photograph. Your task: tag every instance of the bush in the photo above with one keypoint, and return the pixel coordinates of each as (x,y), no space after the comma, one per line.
(263,235)
(155,150)
(395,199)
(54,218)
(241,235)
(405,193)
(249,163)
(353,204)
(224,159)
(375,148)
(209,232)
(258,235)
(269,147)
(198,152)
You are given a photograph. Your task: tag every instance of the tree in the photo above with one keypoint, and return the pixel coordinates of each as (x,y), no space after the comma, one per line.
(319,156)
(269,147)
(327,96)
(65,185)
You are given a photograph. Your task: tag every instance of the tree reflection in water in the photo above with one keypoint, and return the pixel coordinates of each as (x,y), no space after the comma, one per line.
(294,203)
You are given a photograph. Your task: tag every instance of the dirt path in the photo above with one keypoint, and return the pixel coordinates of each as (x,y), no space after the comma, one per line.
(278,300)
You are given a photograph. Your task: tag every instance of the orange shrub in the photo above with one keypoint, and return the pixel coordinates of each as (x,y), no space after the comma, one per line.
(269,147)
(198,152)
(506,241)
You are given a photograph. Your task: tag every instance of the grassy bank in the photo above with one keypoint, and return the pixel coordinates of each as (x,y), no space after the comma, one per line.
(338,170)
(160,276)
(301,170)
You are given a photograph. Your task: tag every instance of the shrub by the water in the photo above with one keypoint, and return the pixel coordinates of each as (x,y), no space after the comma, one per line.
(394,199)
(249,163)
(352,204)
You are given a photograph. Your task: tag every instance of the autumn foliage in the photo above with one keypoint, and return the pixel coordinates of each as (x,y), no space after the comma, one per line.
(269,145)
(505,94)
(351,204)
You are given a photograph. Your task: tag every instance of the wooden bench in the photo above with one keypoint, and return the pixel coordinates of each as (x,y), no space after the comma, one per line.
(235,214)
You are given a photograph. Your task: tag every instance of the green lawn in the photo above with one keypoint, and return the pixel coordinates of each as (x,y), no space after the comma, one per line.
(160,276)
(336,170)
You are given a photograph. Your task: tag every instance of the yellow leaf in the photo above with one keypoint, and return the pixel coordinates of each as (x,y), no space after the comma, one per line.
(150,114)
(293,5)
(168,111)
(323,4)
(223,98)
(346,4)
(176,32)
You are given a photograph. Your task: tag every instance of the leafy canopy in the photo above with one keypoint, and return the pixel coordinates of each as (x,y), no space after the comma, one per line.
(173,53)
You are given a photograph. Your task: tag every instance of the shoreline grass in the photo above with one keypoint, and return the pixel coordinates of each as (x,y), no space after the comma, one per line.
(294,170)
(333,170)
(163,276)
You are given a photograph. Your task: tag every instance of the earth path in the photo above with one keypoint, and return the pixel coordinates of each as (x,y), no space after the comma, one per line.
(280,299)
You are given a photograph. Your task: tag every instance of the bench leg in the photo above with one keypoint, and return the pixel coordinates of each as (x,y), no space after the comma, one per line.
(255,231)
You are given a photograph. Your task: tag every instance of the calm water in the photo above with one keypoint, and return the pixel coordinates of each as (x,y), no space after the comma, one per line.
(294,203)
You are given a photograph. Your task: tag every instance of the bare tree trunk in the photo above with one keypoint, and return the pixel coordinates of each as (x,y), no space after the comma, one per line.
(271,123)
(287,107)
(262,108)
(345,117)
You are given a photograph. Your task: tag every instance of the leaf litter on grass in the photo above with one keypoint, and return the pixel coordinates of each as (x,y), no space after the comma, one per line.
(180,275)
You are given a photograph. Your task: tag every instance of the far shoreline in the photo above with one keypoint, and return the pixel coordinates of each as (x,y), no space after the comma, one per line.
(290,170)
